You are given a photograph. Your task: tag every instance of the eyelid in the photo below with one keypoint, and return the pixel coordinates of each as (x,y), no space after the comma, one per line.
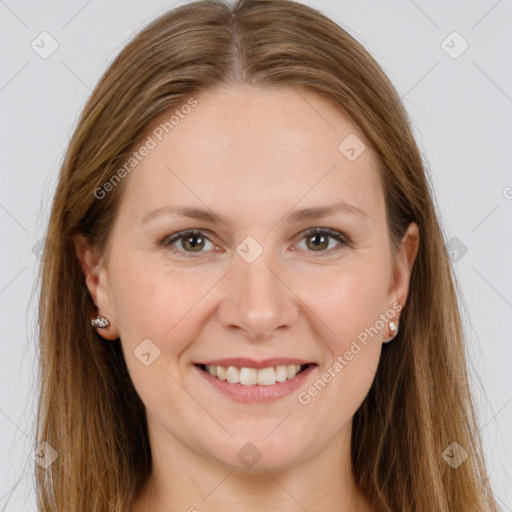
(333,233)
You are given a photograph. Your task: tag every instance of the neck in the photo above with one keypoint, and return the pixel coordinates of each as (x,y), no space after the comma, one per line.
(183,480)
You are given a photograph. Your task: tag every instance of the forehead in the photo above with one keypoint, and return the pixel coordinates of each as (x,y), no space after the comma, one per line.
(256,148)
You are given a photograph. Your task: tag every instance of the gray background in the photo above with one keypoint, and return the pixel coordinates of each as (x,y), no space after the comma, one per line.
(461,110)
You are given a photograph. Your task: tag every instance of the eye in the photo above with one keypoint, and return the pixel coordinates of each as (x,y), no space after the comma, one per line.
(317,239)
(191,241)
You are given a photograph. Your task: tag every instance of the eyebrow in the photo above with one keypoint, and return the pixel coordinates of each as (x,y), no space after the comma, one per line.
(293,217)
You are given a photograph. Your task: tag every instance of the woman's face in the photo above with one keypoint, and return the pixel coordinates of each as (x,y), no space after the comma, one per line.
(255,170)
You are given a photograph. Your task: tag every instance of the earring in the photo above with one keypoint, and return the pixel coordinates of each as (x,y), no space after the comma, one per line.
(393,327)
(100,321)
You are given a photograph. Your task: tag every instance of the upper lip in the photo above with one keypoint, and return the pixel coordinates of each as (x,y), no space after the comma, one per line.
(244,362)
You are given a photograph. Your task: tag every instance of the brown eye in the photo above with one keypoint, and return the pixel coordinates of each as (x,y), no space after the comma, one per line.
(319,240)
(192,242)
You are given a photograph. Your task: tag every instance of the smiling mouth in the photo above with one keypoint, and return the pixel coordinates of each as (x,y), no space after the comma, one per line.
(252,376)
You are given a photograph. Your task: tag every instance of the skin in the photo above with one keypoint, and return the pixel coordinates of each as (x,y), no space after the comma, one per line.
(253,156)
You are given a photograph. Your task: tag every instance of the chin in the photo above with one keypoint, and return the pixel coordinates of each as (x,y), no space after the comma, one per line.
(257,453)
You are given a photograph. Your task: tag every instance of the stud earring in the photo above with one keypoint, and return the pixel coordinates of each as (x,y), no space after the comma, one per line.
(100,321)
(393,328)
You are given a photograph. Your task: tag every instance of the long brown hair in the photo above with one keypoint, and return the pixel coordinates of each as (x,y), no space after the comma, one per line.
(89,411)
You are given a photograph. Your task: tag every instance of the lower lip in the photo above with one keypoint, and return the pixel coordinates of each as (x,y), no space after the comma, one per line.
(257,393)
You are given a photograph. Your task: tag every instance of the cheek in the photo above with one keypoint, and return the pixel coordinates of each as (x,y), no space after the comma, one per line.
(159,311)
(340,389)
(158,301)
(350,305)
(350,299)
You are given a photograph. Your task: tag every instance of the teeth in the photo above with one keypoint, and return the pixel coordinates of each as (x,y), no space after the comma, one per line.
(220,370)
(232,374)
(267,376)
(292,370)
(281,373)
(252,376)
(248,376)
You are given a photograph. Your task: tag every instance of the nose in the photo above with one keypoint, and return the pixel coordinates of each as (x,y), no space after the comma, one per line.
(258,302)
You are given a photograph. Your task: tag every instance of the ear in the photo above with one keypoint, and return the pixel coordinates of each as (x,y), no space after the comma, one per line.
(402,266)
(96,280)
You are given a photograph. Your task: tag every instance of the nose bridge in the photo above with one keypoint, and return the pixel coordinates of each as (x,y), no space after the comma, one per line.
(256,300)
(257,281)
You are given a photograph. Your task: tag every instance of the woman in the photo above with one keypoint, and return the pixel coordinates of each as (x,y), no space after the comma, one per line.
(246,297)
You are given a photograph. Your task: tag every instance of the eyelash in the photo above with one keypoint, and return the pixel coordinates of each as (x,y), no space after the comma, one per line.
(168,240)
